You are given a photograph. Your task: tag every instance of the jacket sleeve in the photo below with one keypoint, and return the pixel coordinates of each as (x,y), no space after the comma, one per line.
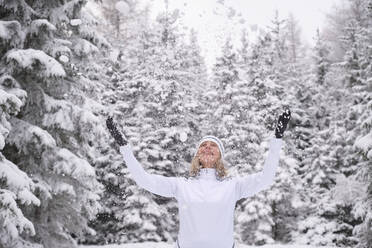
(157,184)
(250,185)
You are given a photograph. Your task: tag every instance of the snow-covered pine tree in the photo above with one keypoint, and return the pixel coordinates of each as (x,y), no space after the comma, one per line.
(232,111)
(225,75)
(194,79)
(55,136)
(336,218)
(194,67)
(284,71)
(309,90)
(244,50)
(255,104)
(120,218)
(167,124)
(280,48)
(151,96)
(127,210)
(321,58)
(252,223)
(293,40)
(357,80)
(16,187)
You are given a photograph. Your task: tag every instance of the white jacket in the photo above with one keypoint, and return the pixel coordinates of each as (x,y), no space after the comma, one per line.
(206,205)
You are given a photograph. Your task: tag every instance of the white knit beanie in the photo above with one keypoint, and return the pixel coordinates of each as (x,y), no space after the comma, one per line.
(215,140)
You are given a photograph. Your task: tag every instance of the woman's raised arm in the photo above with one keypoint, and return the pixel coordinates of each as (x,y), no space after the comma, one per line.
(249,185)
(157,184)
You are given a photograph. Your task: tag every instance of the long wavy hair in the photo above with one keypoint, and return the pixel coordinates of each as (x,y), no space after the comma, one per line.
(221,171)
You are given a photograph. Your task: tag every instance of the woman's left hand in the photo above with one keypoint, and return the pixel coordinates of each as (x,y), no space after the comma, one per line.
(282,123)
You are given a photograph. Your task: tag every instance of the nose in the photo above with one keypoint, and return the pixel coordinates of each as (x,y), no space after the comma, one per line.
(208,148)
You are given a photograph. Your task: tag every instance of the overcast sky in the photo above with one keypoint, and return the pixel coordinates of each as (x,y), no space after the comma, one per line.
(214,20)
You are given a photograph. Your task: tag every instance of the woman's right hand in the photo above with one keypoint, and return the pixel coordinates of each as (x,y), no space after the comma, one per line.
(115,132)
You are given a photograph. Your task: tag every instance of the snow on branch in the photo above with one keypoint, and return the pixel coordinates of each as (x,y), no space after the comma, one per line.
(19,7)
(94,37)
(18,187)
(88,17)
(12,218)
(75,22)
(28,59)
(58,48)
(36,139)
(69,164)
(8,81)
(85,48)
(66,116)
(347,190)
(364,143)
(64,188)
(11,32)
(87,32)
(33,140)
(58,114)
(4,131)
(65,12)
(41,25)
(8,29)
(18,182)
(10,103)
(88,121)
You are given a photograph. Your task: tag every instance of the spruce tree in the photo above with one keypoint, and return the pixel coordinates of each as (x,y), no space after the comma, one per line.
(152,92)
(55,137)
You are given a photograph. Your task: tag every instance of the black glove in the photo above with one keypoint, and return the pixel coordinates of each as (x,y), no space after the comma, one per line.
(115,132)
(282,123)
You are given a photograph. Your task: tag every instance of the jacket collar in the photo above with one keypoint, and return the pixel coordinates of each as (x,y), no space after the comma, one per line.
(208,173)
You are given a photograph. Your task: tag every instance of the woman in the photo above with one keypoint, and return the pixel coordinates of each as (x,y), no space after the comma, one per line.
(206,200)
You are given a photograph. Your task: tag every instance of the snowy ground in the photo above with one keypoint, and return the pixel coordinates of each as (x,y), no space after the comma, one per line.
(167,245)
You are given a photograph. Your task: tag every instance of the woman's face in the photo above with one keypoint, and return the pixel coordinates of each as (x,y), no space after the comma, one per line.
(208,154)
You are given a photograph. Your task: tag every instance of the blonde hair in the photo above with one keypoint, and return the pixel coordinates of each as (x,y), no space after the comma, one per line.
(221,171)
